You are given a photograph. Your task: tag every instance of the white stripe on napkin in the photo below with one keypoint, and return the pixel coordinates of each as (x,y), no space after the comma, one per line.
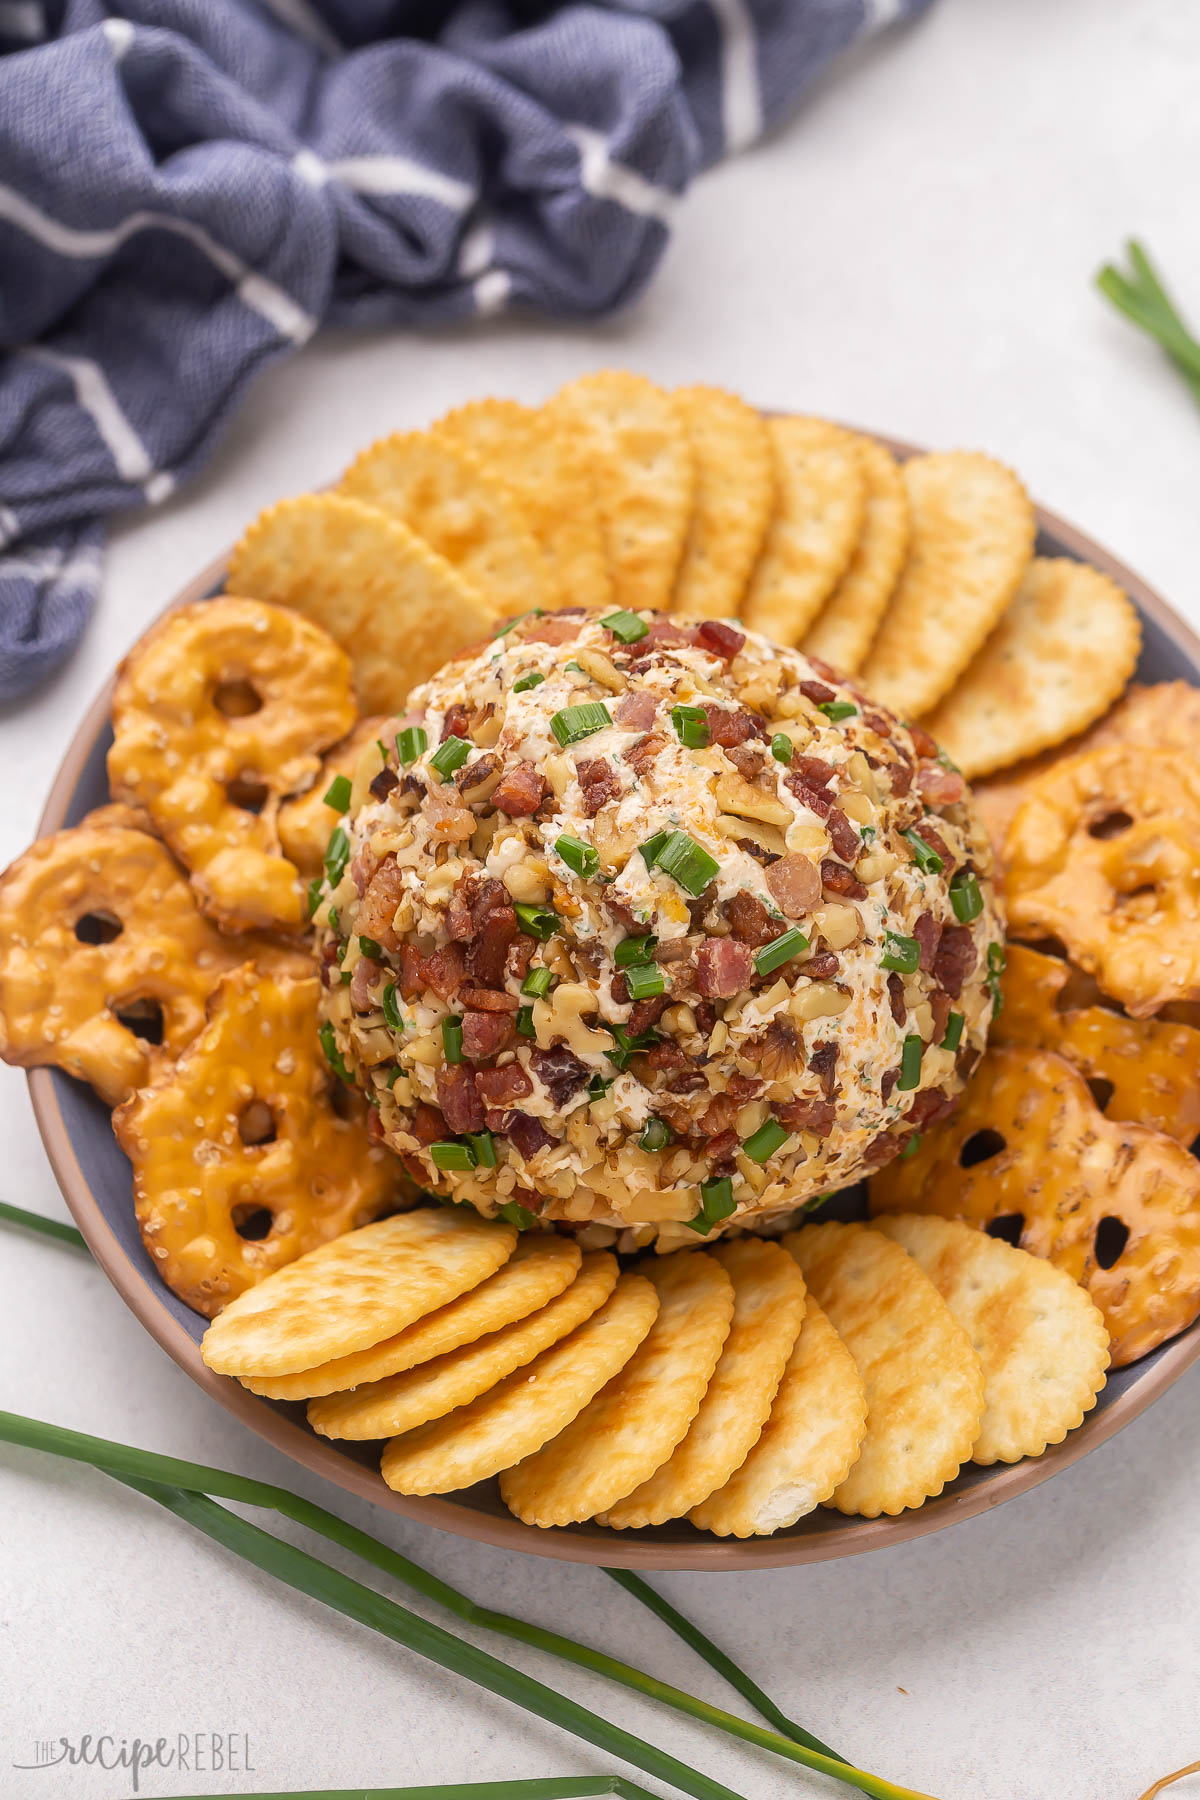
(741,102)
(609,180)
(10,525)
(401,175)
(81,571)
(129,454)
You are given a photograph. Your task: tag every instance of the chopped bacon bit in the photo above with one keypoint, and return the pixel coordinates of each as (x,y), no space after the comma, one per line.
(362,982)
(723,640)
(901,776)
(485,1034)
(939,786)
(636,709)
(379,903)
(876,722)
(520,955)
(666,634)
(428,1124)
(383,783)
(930,1105)
(489,1000)
(375,1131)
(888,1083)
(936,843)
(557,629)
(823,1063)
(723,1147)
(882,1149)
(723,967)
(487,957)
(927,932)
(721,1113)
(666,1056)
(743,1087)
(795,884)
(412,972)
(817,1116)
(647,1013)
(597,783)
(816,799)
(923,744)
(706,1018)
(823,668)
(727,728)
(956,957)
(842,835)
(457,721)
(813,770)
(620,913)
(677,950)
(459,923)
(896,1000)
(817,692)
(749,920)
(363,868)
(527,1135)
(519,791)
(822,966)
(560,1071)
(458,1099)
(941,1006)
(748,759)
(500,1087)
(444,970)
(836,878)
(487,896)
(641,754)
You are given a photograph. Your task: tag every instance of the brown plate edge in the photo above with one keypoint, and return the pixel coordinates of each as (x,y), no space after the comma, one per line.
(580,1544)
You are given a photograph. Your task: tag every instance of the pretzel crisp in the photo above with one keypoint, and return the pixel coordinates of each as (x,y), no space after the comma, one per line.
(1102,855)
(240,1161)
(220,712)
(1143,1070)
(99,936)
(306,822)
(1115,1205)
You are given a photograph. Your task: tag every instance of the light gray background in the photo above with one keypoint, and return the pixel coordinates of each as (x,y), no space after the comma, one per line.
(914,253)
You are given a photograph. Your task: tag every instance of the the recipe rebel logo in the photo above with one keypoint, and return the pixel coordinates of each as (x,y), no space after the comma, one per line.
(190,1752)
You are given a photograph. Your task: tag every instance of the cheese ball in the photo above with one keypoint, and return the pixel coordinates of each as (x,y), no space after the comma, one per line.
(648,930)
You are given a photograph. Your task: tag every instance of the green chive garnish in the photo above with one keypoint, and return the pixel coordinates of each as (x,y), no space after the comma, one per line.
(656,1135)
(903,954)
(335,924)
(652,846)
(525,1022)
(996,964)
(626,626)
(634,950)
(370,948)
(314,894)
(924,857)
(540,922)
(763,1143)
(337,794)
(391,1011)
(516,1214)
(412,742)
(534,612)
(578,856)
(910,1063)
(574,723)
(337,855)
(450,755)
(716,1203)
(538,983)
(452,1048)
(780,950)
(912,1146)
(598,1087)
(644,981)
(345,978)
(691,726)
(687,862)
(573,668)
(484,1146)
(954,1031)
(534,679)
(628,1046)
(782,747)
(965,896)
(836,710)
(333,1055)
(448,1155)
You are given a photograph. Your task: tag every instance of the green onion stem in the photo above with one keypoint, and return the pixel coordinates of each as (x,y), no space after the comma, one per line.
(124,1460)
(65,1234)
(1147,304)
(545,1787)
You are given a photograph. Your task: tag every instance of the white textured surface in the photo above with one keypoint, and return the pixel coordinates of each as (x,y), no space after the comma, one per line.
(914,252)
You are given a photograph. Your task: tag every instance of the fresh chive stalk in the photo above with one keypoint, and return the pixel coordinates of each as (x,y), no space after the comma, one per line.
(780,950)
(901,954)
(1144,300)
(782,747)
(656,1135)
(449,1154)
(996,965)
(370,948)
(912,1146)
(412,742)
(533,612)
(652,846)
(954,1031)
(337,794)
(314,893)
(634,950)
(515,1214)
(525,1022)
(450,754)
(626,626)
(691,726)
(452,1040)
(644,981)
(523,683)
(391,1010)
(837,710)
(538,983)
(484,1146)
(762,1144)
(925,857)
(574,723)
(539,922)
(965,896)
(51,1228)
(686,862)
(337,855)
(716,1203)
(333,1055)
(910,1063)
(583,858)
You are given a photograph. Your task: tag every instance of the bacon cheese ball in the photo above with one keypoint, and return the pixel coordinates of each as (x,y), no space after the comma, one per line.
(648,929)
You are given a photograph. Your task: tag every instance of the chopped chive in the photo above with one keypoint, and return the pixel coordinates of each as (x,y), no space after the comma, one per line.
(912,1146)
(996,965)
(515,1214)
(954,1031)
(314,894)
(716,1203)
(412,742)
(910,1062)
(634,950)
(452,1048)
(780,950)
(687,862)
(333,1055)
(450,1155)
(626,626)
(337,855)
(370,948)
(525,1022)
(381,747)
(866,833)
(925,858)
(947,764)
(337,794)
(644,981)
(903,954)
(598,1086)
(345,977)
(691,726)
(965,896)
(539,922)
(484,1146)
(523,684)
(578,856)
(652,846)
(573,668)
(763,1143)
(538,983)
(574,723)
(628,1046)
(335,924)
(451,754)
(534,612)
(656,1135)
(391,1011)
(782,747)
(836,710)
